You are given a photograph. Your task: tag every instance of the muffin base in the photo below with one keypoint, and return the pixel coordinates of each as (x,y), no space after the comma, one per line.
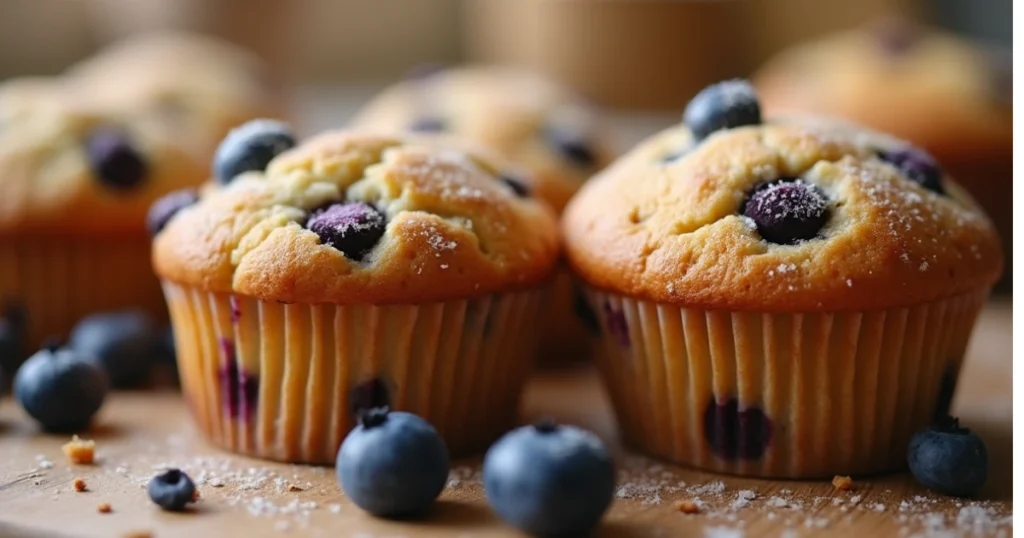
(277,381)
(61,280)
(780,395)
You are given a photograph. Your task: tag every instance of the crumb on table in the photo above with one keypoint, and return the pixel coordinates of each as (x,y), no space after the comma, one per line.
(78,484)
(687,507)
(138,534)
(80,451)
(195,495)
(104,508)
(842,483)
(293,488)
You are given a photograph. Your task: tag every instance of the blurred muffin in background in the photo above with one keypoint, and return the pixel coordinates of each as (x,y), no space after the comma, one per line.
(84,155)
(942,93)
(529,121)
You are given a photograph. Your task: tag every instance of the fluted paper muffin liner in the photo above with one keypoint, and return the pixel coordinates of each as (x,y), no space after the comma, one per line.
(61,280)
(780,395)
(279,381)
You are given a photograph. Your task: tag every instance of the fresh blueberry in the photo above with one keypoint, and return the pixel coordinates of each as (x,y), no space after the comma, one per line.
(393,464)
(162,210)
(251,147)
(370,394)
(947,389)
(61,388)
(787,211)
(12,341)
(354,228)
(517,185)
(428,124)
(917,165)
(948,459)
(113,159)
(573,146)
(725,105)
(737,434)
(549,480)
(172,490)
(125,343)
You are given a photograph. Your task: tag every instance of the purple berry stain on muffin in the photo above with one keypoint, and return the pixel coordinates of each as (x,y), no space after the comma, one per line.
(236,309)
(517,185)
(373,393)
(581,307)
(917,165)
(736,434)
(895,37)
(164,209)
(617,326)
(114,160)
(787,211)
(239,389)
(947,389)
(354,228)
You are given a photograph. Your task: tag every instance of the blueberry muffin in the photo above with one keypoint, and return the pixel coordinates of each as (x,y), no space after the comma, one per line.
(948,96)
(788,298)
(528,120)
(82,159)
(355,271)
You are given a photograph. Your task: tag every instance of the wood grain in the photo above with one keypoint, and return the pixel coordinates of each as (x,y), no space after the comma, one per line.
(140,432)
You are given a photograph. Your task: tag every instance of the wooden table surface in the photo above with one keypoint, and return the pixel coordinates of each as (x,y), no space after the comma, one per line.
(139,433)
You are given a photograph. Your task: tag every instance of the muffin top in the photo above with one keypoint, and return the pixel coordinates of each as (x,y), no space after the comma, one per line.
(527,119)
(87,152)
(937,90)
(350,217)
(783,215)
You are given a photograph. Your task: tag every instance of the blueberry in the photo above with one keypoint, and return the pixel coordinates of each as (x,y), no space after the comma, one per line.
(725,105)
(354,228)
(735,434)
(162,210)
(172,490)
(573,146)
(113,159)
(239,388)
(917,165)
(125,343)
(251,147)
(61,388)
(947,389)
(393,464)
(428,124)
(12,342)
(517,185)
(370,394)
(549,480)
(787,211)
(948,459)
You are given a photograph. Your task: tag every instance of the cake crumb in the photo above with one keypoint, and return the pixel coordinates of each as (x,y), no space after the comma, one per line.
(80,451)
(138,534)
(78,484)
(104,508)
(688,507)
(842,483)
(293,488)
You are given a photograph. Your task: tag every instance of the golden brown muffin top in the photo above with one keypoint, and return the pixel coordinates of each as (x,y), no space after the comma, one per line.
(680,230)
(396,220)
(164,101)
(528,119)
(932,88)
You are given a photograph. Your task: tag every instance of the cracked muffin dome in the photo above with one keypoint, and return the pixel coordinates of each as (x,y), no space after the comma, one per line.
(349,217)
(526,118)
(784,216)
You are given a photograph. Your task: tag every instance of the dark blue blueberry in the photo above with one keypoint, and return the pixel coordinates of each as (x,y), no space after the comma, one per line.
(617,325)
(549,480)
(949,459)
(12,341)
(172,490)
(354,228)
(947,389)
(428,124)
(61,388)
(250,148)
(393,464)
(162,210)
(239,389)
(735,434)
(573,146)
(917,165)
(517,185)
(125,343)
(370,394)
(787,211)
(113,159)
(582,308)
(725,105)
